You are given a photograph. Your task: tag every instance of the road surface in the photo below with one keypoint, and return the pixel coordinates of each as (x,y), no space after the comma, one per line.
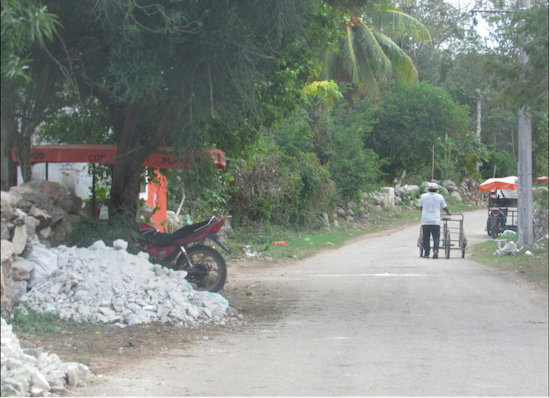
(368,319)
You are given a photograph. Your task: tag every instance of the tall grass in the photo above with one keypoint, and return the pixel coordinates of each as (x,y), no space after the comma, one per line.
(88,230)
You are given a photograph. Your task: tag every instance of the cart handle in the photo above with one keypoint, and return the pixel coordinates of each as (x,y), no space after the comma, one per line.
(453,214)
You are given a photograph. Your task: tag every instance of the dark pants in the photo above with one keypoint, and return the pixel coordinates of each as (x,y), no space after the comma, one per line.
(428,230)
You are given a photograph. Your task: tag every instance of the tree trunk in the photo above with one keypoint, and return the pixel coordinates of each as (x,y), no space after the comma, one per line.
(125,188)
(23,148)
(20,118)
(9,175)
(130,157)
(135,143)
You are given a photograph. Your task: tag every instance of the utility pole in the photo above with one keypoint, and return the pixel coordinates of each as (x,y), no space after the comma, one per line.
(525,155)
(525,164)
(478,127)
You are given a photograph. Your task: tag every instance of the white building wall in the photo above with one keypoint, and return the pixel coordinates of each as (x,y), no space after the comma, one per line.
(74,176)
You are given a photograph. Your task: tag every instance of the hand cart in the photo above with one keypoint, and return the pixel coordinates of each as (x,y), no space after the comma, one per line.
(452,236)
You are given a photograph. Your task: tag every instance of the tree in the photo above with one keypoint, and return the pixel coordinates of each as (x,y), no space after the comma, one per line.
(367,56)
(29,78)
(410,118)
(353,167)
(518,84)
(24,24)
(452,33)
(172,72)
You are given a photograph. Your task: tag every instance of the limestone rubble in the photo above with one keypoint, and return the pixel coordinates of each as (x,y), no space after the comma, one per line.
(99,284)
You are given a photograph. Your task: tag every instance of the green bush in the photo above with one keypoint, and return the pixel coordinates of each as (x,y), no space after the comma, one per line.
(279,189)
(88,230)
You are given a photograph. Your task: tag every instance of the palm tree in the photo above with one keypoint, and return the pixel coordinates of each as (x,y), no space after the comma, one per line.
(367,57)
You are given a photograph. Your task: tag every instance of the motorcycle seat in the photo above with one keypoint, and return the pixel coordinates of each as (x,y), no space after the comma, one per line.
(162,239)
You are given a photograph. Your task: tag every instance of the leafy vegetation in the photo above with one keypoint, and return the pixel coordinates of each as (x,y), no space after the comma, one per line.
(88,230)
(313,102)
(304,242)
(411,120)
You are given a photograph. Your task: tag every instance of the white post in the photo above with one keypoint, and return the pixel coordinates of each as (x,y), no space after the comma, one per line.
(525,165)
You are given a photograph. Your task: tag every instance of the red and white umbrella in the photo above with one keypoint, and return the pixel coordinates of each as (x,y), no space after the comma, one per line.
(492,184)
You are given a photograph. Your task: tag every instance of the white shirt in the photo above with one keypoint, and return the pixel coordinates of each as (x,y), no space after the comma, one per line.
(431,203)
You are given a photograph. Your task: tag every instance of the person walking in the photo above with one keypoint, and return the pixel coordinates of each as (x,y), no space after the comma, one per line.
(430,203)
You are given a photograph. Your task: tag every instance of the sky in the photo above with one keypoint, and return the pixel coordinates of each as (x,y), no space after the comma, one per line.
(482,27)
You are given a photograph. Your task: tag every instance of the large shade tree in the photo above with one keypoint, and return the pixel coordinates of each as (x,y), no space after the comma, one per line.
(171,71)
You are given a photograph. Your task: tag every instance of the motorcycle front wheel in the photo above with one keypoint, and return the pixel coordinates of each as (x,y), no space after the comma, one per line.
(209,270)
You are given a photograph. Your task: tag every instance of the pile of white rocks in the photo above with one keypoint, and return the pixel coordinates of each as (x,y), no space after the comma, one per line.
(98,284)
(33,372)
(109,285)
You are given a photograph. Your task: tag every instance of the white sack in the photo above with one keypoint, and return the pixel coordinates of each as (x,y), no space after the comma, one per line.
(45,264)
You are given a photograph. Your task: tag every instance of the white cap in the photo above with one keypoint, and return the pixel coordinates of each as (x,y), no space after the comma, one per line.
(433,186)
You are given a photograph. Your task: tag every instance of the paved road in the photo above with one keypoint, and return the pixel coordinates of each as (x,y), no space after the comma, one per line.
(370,319)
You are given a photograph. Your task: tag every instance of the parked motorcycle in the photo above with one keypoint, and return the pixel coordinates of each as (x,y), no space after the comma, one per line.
(496,221)
(184,250)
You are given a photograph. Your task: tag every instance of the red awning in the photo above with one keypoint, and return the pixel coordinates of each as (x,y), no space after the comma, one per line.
(105,154)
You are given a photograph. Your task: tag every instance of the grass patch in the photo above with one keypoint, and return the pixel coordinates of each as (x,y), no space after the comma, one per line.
(32,322)
(304,243)
(533,268)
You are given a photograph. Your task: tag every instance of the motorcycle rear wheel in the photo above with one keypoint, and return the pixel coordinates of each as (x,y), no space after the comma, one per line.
(496,231)
(209,270)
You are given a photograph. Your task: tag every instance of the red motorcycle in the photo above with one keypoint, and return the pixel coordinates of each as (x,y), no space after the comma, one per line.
(205,266)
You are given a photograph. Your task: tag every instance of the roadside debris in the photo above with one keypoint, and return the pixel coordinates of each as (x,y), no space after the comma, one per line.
(509,248)
(247,250)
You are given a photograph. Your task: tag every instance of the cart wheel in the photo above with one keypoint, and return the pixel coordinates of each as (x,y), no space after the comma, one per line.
(447,245)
